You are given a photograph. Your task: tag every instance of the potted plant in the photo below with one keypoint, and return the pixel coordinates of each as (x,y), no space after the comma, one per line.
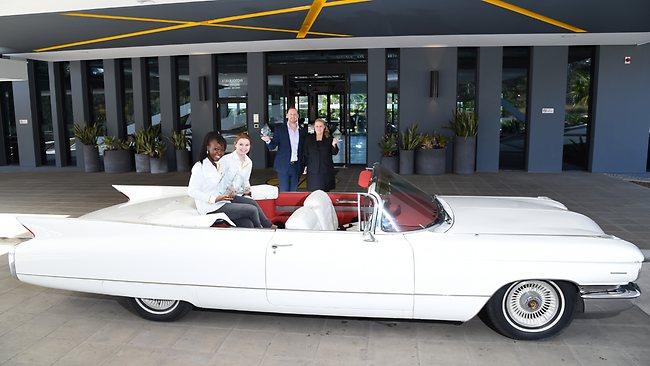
(181,144)
(388,145)
(410,141)
(143,150)
(117,155)
(87,137)
(157,161)
(430,157)
(465,127)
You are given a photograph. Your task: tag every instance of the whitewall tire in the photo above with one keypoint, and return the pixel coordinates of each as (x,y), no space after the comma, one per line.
(159,309)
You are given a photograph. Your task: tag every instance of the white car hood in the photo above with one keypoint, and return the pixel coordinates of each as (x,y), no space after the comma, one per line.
(516,215)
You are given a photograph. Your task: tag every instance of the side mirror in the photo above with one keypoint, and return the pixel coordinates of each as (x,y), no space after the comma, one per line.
(368,237)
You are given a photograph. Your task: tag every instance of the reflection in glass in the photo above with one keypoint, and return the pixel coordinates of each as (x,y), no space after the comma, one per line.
(127,96)
(66,110)
(466,89)
(96,90)
(358,126)
(232,80)
(277,102)
(153,88)
(578,117)
(45,129)
(392,90)
(8,119)
(514,98)
(183,94)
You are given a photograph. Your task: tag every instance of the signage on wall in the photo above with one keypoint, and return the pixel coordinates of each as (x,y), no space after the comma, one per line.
(628,60)
(23,121)
(548,110)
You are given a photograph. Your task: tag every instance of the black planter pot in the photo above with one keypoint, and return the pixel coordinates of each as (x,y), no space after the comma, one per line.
(430,162)
(117,161)
(464,155)
(158,165)
(142,164)
(390,162)
(91,158)
(406,161)
(182,160)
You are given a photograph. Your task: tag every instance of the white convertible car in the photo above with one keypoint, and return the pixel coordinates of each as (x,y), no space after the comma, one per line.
(526,264)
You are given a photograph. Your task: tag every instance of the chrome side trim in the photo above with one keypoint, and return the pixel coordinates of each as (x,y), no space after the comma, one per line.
(11,256)
(629,291)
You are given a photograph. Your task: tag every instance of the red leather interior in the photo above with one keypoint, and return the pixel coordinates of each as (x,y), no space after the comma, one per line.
(278,210)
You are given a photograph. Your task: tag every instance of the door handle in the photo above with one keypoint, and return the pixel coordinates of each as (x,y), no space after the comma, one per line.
(276,246)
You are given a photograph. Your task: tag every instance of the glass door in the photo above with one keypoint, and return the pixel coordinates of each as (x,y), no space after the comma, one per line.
(330,108)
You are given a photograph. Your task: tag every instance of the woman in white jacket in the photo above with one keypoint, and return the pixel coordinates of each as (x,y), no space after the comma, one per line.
(209,189)
(237,173)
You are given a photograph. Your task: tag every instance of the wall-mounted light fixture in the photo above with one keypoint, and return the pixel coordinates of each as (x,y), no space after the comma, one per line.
(203,88)
(433,86)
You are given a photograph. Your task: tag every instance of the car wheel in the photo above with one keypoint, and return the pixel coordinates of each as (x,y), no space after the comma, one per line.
(160,310)
(531,309)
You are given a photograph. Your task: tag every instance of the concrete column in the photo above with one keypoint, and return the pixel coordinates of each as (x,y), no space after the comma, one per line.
(58,120)
(376,102)
(80,101)
(488,102)
(140,97)
(204,112)
(548,78)
(256,65)
(620,121)
(25,100)
(113,94)
(416,106)
(169,115)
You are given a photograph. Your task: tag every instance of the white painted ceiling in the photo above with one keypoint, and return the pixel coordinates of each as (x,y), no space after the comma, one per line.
(23,7)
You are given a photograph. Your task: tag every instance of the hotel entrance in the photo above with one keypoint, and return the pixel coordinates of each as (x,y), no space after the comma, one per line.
(328,85)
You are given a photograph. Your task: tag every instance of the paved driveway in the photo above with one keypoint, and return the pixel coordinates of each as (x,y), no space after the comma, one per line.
(47,326)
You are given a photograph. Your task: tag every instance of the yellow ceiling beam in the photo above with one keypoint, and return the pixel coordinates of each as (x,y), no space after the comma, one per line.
(534,15)
(310,18)
(182,25)
(277,30)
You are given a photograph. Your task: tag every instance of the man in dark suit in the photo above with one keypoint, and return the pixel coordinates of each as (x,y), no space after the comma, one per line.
(289,138)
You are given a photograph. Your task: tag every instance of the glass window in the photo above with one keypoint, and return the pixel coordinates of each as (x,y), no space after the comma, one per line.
(466,89)
(392,90)
(127,96)
(232,82)
(66,109)
(8,119)
(97,99)
(358,126)
(183,93)
(45,128)
(153,89)
(514,100)
(277,102)
(578,108)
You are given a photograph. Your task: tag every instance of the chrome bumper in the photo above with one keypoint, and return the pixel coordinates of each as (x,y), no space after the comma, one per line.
(11,256)
(620,292)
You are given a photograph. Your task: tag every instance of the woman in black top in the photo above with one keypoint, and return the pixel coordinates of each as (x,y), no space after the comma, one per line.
(317,154)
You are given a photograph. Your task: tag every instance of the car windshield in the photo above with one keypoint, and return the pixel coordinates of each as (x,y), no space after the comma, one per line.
(405,206)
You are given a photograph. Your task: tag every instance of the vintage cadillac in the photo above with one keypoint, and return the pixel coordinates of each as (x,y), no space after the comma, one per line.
(525,264)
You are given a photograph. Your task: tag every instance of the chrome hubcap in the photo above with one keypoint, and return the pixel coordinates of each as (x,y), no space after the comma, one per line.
(158,306)
(533,305)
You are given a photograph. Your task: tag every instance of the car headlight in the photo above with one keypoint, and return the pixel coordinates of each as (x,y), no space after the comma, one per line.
(11,255)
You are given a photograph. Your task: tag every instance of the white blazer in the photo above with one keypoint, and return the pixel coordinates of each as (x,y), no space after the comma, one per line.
(237,174)
(206,183)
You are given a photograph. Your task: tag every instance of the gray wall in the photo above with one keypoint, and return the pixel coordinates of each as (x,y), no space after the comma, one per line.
(548,80)
(204,113)
(490,69)
(621,120)
(112,93)
(416,106)
(376,102)
(28,149)
(256,68)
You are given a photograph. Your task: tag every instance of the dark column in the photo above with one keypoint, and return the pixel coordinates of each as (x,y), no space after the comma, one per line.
(3,147)
(169,116)
(256,65)
(548,78)
(25,100)
(80,101)
(140,97)
(204,112)
(488,98)
(620,119)
(376,102)
(58,122)
(113,94)
(415,104)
